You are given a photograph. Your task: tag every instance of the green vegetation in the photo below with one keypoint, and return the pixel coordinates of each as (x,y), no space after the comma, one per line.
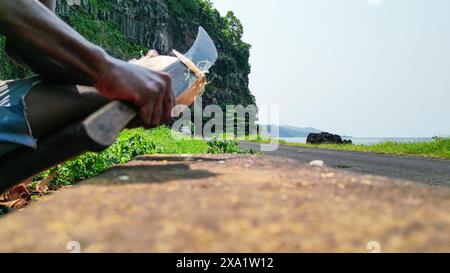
(105,34)
(130,144)
(253,138)
(217,146)
(437,148)
(8,69)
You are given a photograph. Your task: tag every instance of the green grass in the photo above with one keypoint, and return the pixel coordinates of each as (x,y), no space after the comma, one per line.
(217,146)
(252,138)
(437,148)
(130,144)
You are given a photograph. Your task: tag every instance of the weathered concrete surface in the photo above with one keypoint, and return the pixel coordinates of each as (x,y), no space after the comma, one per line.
(233,204)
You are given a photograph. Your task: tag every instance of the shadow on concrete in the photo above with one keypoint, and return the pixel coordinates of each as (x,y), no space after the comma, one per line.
(148,174)
(177,159)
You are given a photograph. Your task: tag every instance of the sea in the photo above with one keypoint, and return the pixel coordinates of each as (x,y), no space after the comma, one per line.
(368,140)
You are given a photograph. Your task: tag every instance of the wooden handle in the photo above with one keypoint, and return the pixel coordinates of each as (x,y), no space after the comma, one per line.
(104,125)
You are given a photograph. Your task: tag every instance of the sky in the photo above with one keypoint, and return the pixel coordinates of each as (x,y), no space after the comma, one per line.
(365,68)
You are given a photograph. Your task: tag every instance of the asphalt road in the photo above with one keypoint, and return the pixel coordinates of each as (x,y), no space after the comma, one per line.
(423,170)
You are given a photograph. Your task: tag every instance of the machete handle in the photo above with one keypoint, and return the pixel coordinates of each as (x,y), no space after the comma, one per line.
(103,126)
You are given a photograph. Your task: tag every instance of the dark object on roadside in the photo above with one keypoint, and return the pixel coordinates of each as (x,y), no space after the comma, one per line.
(326,138)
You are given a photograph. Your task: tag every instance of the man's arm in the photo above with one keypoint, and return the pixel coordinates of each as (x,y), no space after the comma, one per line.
(19,54)
(24,55)
(29,23)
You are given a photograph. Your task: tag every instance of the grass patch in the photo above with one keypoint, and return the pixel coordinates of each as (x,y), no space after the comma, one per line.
(437,148)
(130,144)
(217,146)
(253,138)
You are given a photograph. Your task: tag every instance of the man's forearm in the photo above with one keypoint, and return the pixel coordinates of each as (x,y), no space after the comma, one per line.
(29,23)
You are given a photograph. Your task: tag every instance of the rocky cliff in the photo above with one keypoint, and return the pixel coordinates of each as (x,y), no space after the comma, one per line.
(125,28)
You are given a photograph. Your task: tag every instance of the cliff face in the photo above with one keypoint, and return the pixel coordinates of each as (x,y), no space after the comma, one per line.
(125,28)
(141,22)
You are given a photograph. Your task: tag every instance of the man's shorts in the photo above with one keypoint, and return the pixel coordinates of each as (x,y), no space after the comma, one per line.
(15,130)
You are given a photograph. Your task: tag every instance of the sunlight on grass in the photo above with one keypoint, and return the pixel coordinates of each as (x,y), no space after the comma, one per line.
(437,148)
(133,143)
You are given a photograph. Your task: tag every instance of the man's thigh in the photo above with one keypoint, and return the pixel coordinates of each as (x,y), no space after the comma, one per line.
(31,109)
(53,106)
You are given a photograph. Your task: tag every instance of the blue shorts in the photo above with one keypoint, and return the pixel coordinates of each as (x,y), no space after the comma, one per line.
(15,130)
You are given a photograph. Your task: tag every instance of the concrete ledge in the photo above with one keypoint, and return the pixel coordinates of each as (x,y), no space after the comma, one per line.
(232,204)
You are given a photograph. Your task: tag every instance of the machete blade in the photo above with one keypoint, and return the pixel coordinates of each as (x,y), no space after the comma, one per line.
(204,55)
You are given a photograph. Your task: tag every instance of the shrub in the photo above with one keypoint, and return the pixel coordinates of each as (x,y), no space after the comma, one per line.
(130,144)
(224,147)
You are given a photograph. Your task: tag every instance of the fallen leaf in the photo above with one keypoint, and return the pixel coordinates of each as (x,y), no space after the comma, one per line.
(19,192)
(16,204)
